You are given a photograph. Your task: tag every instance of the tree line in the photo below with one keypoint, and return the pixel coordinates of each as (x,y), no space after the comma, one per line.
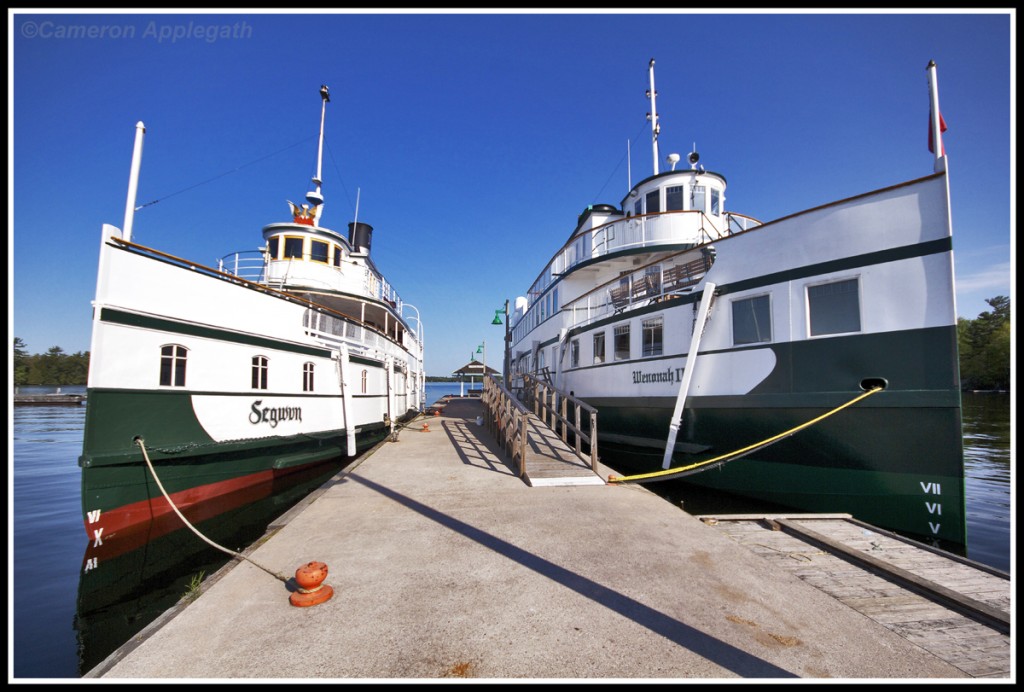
(985,347)
(51,368)
(984,355)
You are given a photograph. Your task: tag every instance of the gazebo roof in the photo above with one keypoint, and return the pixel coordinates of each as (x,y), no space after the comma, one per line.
(475,367)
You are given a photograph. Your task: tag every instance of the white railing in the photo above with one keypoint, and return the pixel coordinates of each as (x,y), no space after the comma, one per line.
(672,278)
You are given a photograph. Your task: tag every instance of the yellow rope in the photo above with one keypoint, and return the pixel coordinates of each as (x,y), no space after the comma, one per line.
(667,473)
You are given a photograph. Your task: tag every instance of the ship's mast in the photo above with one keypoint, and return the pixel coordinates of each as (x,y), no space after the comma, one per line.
(653,117)
(315,197)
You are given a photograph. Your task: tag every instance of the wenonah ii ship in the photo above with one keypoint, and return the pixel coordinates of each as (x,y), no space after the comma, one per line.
(810,361)
(225,377)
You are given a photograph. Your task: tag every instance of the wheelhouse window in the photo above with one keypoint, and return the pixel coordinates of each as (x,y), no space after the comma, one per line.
(574,353)
(834,308)
(259,372)
(599,347)
(337,255)
(172,365)
(751,320)
(307,377)
(716,201)
(651,330)
(638,207)
(697,198)
(272,246)
(622,342)
(292,248)
(653,202)
(318,251)
(674,198)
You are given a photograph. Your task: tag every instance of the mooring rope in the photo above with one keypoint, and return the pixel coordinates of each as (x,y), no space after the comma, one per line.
(237,555)
(731,456)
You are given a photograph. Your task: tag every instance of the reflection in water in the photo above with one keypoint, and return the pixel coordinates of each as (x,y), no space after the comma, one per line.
(128,583)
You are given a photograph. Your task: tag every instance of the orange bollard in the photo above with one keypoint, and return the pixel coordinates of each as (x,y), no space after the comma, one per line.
(426,428)
(312,590)
(437,412)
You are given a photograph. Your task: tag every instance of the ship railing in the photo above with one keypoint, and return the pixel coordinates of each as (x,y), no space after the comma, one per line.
(507,420)
(250,265)
(653,283)
(642,231)
(574,420)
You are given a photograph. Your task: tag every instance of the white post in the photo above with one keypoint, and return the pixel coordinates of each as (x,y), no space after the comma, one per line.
(133,181)
(691,364)
(936,118)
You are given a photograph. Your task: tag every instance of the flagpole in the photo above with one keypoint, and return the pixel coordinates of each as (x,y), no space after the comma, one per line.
(935,123)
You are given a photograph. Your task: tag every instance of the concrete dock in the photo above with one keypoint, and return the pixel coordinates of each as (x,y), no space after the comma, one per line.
(446,564)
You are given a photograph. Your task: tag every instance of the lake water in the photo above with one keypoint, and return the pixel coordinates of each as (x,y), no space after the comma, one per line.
(66,620)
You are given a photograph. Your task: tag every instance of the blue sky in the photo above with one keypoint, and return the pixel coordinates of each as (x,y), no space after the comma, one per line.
(475,138)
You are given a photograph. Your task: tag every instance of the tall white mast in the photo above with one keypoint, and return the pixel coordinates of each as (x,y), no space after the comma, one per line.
(133,182)
(653,117)
(935,123)
(315,197)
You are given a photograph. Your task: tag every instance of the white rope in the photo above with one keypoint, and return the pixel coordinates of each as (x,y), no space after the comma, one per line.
(140,443)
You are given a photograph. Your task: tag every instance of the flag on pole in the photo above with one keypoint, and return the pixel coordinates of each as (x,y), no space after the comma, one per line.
(931,137)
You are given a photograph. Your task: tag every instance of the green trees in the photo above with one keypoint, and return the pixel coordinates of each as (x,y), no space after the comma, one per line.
(51,368)
(985,347)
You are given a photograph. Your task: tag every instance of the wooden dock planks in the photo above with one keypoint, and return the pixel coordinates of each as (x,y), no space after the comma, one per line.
(954,608)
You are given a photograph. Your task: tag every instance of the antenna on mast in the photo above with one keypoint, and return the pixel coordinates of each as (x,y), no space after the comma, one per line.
(653,117)
(316,197)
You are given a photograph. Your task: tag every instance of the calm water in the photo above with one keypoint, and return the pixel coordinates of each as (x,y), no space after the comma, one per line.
(67,620)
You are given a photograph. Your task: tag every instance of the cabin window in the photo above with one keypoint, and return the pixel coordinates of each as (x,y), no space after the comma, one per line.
(697,198)
(318,251)
(622,342)
(272,247)
(653,202)
(599,347)
(574,353)
(337,255)
(651,332)
(716,201)
(362,378)
(833,308)
(638,207)
(172,365)
(307,377)
(751,320)
(292,247)
(259,372)
(674,198)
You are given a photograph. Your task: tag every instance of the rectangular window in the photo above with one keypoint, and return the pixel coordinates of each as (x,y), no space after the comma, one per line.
(674,198)
(651,332)
(172,366)
(716,201)
(337,255)
(292,248)
(307,377)
(834,308)
(318,251)
(697,198)
(638,207)
(259,372)
(599,347)
(751,320)
(574,353)
(622,342)
(272,246)
(654,202)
